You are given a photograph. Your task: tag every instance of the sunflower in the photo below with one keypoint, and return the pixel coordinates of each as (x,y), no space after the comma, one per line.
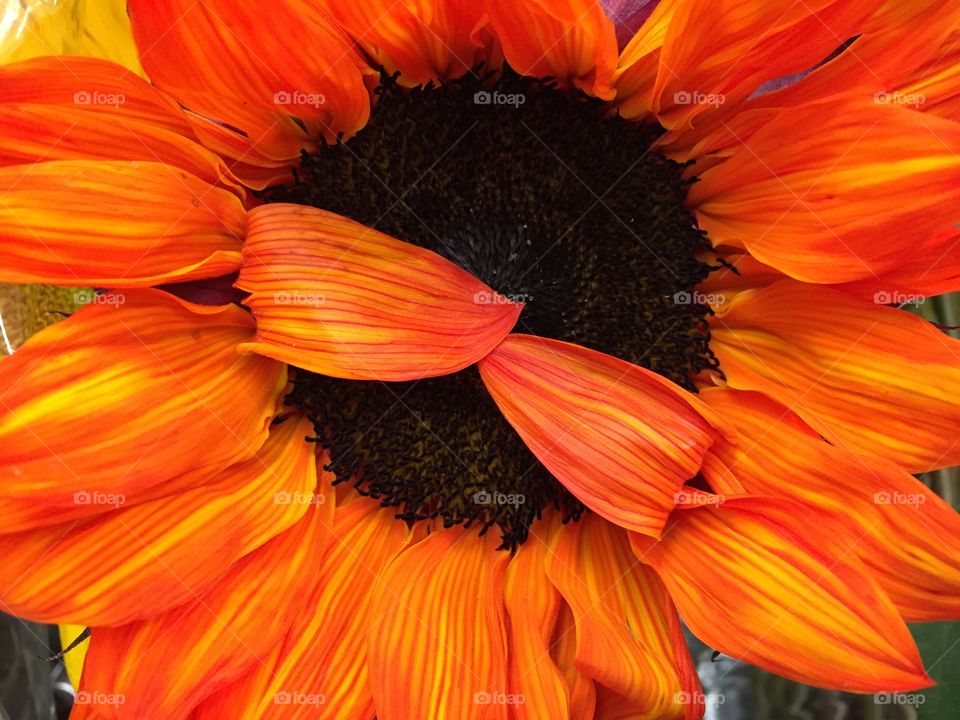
(447,353)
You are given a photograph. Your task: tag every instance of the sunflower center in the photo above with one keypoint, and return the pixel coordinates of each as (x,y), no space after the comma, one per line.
(551,203)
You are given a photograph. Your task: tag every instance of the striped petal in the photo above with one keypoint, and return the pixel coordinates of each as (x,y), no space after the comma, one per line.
(639,63)
(115,224)
(719,51)
(113,400)
(101,114)
(755,579)
(935,86)
(439,647)
(423,40)
(619,437)
(813,207)
(571,40)
(320,670)
(908,537)
(628,634)
(563,651)
(873,379)
(255,94)
(133,562)
(533,606)
(338,298)
(214,639)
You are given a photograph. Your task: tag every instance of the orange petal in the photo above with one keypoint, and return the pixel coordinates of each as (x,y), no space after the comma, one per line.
(563,651)
(571,40)
(133,562)
(533,607)
(128,120)
(91,84)
(874,379)
(115,224)
(755,580)
(908,537)
(439,648)
(813,207)
(225,61)
(936,84)
(423,40)
(619,437)
(320,670)
(719,52)
(628,634)
(639,62)
(114,399)
(335,297)
(215,639)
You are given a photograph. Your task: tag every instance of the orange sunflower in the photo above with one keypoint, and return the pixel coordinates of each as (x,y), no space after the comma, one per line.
(447,353)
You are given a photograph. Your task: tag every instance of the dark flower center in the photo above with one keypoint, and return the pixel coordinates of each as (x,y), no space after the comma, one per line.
(550,202)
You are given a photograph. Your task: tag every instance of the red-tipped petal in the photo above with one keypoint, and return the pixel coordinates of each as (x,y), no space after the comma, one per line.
(619,437)
(335,297)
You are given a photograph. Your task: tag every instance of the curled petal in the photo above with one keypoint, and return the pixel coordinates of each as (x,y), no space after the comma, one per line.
(439,646)
(629,637)
(338,298)
(115,224)
(619,437)
(870,378)
(769,582)
(134,391)
(133,562)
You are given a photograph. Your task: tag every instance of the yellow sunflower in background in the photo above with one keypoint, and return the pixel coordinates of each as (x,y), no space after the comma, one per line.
(447,353)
